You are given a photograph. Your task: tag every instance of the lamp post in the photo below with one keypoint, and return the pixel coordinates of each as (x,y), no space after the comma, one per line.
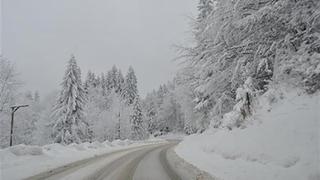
(13,110)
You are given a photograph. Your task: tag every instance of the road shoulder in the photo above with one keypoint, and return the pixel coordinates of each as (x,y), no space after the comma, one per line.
(185,170)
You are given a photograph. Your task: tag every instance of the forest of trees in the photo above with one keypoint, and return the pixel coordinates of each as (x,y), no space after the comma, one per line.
(103,107)
(240,49)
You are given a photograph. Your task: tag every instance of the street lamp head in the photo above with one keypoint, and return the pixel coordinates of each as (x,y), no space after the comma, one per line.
(15,108)
(19,106)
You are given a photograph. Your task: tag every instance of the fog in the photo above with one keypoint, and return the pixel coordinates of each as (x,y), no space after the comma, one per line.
(40,35)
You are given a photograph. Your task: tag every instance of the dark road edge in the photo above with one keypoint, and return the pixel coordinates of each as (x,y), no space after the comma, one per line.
(166,165)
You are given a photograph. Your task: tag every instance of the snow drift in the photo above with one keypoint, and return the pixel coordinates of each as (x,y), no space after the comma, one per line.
(282,141)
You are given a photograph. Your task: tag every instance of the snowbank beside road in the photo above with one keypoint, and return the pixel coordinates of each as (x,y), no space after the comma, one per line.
(283,142)
(23,161)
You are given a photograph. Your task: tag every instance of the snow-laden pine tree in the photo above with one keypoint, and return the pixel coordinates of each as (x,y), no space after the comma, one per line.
(130,91)
(114,80)
(119,82)
(138,130)
(111,78)
(69,125)
(90,80)
(103,84)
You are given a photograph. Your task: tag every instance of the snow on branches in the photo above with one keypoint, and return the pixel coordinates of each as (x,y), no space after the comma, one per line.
(268,41)
(69,125)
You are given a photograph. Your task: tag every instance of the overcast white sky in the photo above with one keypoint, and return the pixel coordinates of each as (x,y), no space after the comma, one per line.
(40,35)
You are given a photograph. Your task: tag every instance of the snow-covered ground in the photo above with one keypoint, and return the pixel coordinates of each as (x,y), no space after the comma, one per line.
(23,161)
(172,136)
(281,143)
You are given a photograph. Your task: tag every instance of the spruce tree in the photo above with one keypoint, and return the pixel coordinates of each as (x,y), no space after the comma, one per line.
(103,84)
(90,81)
(131,89)
(70,126)
(119,85)
(111,79)
(138,131)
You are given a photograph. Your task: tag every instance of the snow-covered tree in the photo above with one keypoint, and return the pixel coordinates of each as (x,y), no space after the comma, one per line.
(171,109)
(137,124)
(108,113)
(70,125)
(244,107)
(112,78)
(192,121)
(8,83)
(269,41)
(103,84)
(26,120)
(120,82)
(205,8)
(43,108)
(170,115)
(90,81)
(8,90)
(150,107)
(130,91)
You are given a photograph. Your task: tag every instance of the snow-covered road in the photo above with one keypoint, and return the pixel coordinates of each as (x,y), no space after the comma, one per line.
(149,162)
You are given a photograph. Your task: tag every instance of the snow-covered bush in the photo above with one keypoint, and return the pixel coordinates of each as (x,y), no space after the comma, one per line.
(244,107)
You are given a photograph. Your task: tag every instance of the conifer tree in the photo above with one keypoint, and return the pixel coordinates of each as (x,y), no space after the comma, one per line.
(131,89)
(111,79)
(70,126)
(90,81)
(119,85)
(103,84)
(136,120)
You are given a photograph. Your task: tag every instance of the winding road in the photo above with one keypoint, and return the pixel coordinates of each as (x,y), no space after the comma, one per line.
(148,162)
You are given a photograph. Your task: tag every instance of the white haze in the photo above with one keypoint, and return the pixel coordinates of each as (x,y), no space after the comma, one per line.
(40,35)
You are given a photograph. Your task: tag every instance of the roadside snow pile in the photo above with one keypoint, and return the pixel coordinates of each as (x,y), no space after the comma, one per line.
(22,150)
(283,142)
(32,160)
(121,142)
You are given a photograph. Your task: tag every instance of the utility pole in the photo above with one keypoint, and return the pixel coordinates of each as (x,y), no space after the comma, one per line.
(119,122)
(13,110)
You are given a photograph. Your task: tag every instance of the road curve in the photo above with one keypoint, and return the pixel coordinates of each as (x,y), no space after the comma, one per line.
(148,162)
